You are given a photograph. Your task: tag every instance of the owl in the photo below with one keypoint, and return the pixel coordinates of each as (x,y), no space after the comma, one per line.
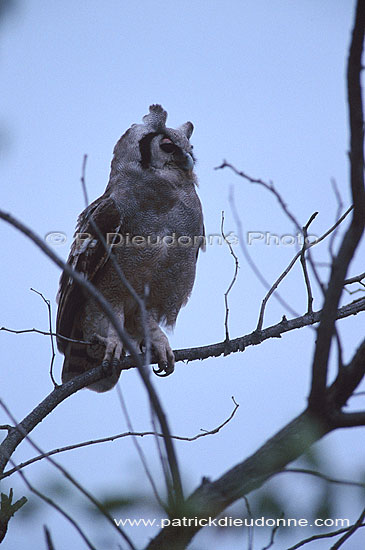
(151,219)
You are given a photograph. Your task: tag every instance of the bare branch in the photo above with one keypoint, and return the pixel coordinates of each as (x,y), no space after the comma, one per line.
(57,507)
(272,537)
(356,279)
(354,232)
(233,279)
(300,254)
(47,534)
(239,344)
(210,498)
(306,246)
(48,304)
(250,529)
(350,532)
(346,383)
(111,438)
(138,447)
(250,261)
(70,478)
(321,536)
(326,478)
(255,337)
(339,210)
(44,333)
(304,265)
(59,394)
(349,420)
(269,186)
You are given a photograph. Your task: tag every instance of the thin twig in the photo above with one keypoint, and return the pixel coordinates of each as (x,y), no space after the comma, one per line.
(233,279)
(48,304)
(250,261)
(57,507)
(47,534)
(321,536)
(251,527)
(291,264)
(269,186)
(44,333)
(338,213)
(351,292)
(111,438)
(350,532)
(138,447)
(69,477)
(273,534)
(326,478)
(163,462)
(304,264)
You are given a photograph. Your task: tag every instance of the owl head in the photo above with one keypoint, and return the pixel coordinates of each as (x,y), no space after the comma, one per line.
(152,145)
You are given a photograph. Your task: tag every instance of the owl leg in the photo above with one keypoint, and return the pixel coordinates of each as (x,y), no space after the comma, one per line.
(165,355)
(113,345)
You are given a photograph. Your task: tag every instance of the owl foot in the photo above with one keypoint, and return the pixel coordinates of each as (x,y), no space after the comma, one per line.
(165,355)
(111,347)
(113,350)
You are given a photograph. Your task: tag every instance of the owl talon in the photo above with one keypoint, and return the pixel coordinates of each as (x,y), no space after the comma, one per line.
(106,365)
(164,369)
(110,367)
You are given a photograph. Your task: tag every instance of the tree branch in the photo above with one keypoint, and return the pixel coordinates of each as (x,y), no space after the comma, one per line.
(110,438)
(59,394)
(353,235)
(350,532)
(211,498)
(356,279)
(322,536)
(284,447)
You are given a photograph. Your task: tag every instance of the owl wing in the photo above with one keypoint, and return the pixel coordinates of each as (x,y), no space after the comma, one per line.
(87,256)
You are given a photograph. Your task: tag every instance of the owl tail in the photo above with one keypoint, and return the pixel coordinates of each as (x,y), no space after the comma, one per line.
(78,360)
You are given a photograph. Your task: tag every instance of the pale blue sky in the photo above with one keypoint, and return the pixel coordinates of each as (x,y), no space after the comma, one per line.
(264,84)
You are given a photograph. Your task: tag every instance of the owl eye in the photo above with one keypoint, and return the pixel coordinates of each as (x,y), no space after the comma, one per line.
(167,145)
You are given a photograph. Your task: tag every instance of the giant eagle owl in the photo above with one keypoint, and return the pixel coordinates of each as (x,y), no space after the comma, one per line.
(152,211)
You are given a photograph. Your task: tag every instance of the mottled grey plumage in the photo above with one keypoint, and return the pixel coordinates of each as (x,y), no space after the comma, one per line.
(151,205)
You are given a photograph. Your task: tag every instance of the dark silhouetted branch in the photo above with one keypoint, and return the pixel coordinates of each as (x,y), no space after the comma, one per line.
(353,234)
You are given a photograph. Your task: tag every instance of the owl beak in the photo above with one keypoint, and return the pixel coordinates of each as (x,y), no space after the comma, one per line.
(189,162)
(185,161)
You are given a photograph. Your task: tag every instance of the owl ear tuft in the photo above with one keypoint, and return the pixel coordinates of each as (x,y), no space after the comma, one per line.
(187,128)
(156,118)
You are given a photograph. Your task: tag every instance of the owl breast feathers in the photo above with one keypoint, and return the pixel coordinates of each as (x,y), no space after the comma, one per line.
(151,218)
